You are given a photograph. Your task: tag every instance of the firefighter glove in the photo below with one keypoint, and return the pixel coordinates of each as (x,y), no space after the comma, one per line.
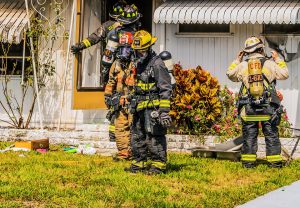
(76,48)
(165,119)
(107,101)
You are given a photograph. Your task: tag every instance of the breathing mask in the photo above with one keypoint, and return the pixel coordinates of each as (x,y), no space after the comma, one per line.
(124,53)
(141,55)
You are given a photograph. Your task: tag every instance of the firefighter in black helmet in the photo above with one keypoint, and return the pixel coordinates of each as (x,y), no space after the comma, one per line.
(102,32)
(129,22)
(150,105)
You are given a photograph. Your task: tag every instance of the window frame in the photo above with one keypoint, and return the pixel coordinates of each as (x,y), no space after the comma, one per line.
(79,56)
(279,34)
(18,56)
(204,34)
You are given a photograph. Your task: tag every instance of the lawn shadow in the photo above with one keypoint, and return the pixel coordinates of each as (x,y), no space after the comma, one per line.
(171,167)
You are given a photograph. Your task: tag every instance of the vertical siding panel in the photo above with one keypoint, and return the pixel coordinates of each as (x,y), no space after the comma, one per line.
(217,58)
(211,59)
(294,64)
(223,60)
(199,52)
(192,52)
(243,35)
(171,41)
(205,53)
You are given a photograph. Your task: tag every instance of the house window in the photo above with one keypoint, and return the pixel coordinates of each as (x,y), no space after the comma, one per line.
(89,60)
(203,28)
(11,58)
(281,29)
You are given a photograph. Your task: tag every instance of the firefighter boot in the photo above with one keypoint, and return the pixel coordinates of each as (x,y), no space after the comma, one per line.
(275,165)
(155,171)
(136,167)
(248,164)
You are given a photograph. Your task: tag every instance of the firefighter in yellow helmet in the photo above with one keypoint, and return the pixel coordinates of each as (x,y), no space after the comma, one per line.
(117,90)
(258,100)
(151,105)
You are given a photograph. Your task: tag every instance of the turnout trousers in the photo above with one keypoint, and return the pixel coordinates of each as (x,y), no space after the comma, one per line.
(250,133)
(146,145)
(122,131)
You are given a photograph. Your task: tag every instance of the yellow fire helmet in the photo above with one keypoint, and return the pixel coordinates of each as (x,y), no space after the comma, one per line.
(253,43)
(142,40)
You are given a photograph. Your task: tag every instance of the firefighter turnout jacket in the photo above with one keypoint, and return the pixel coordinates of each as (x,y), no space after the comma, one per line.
(238,71)
(101,33)
(271,71)
(153,84)
(118,88)
(120,81)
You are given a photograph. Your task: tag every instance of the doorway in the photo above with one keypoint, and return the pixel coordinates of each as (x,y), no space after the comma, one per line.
(144,7)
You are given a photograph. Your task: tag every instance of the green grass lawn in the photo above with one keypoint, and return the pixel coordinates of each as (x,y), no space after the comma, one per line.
(58,179)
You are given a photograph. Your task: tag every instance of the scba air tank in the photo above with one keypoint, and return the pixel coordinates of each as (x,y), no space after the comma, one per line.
(255,78)
(167,59)
(109,52)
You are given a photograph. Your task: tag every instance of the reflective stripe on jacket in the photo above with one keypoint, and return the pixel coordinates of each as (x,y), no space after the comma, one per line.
(159,83)
(100,34)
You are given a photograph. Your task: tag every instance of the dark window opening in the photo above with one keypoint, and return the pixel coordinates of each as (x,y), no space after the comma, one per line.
(204,28)
(11,58)
(281,29)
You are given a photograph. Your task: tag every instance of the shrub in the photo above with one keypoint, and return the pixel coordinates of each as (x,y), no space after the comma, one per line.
(195,101)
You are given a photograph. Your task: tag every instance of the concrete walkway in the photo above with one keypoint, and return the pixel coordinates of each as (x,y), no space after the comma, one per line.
(285,197)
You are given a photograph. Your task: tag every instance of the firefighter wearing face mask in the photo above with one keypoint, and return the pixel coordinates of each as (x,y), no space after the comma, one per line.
(258,100)
(150,105)
(129,20)
(117,90)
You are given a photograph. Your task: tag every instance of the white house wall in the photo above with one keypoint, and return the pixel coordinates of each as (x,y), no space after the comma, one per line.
(216,53)
(51,94)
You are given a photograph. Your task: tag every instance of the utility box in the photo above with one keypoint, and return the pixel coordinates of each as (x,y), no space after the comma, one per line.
(33,144)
